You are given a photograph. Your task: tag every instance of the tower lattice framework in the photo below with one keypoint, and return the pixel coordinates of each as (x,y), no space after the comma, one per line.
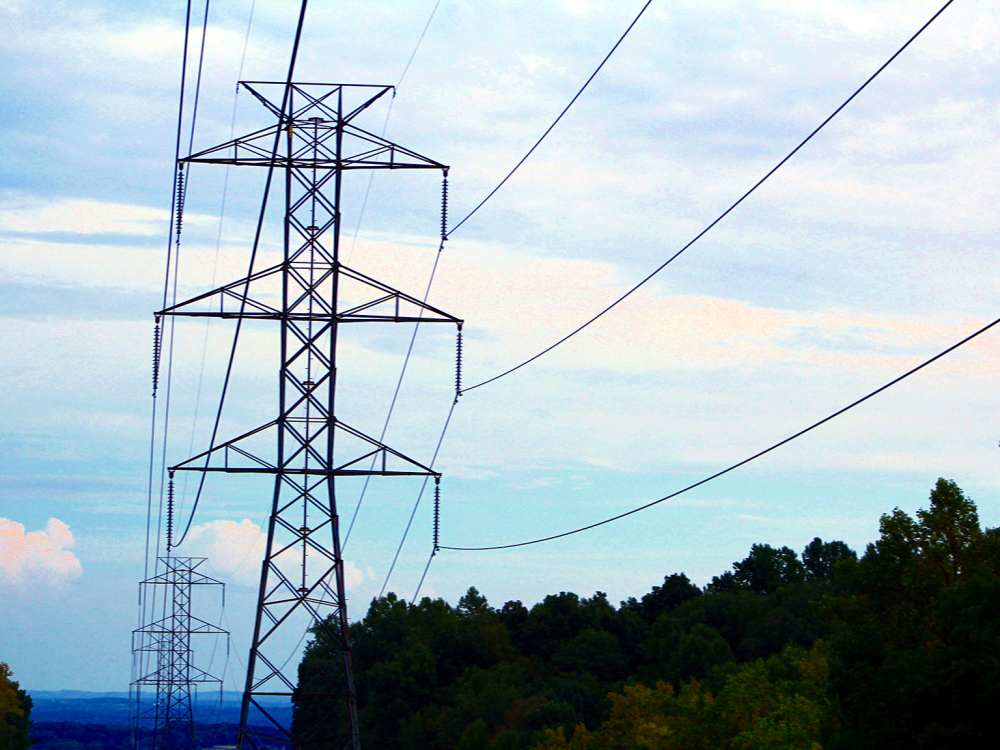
(163,657)
(313,143)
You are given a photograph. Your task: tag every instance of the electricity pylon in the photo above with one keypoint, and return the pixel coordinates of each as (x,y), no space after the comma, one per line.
(163,658)
(313,143)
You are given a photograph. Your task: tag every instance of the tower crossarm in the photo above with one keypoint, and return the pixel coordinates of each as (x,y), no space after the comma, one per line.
(383,460)
(316,136)
(382,303)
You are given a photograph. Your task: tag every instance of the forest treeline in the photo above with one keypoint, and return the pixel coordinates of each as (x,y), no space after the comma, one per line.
(897,648)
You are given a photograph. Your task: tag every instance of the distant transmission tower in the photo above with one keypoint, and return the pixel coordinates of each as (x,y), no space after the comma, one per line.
(313,143)
(163,658)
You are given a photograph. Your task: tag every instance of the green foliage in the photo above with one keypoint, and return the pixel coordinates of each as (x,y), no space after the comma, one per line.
(766,569)
(676,590)
(898,649)
(15,712)
(594,651)
(676,654)
(919,639)
(774,704)
(822,561)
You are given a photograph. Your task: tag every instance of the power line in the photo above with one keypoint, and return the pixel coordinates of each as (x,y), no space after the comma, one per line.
(285,104)
(174,195)
(445,236)
(413,54)
(385,127)
(721,216)
(745,461)
(222,215)
(406,362)
(555,122)
(416,505)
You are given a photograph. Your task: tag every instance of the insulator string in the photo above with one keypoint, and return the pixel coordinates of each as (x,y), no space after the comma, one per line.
(157,346)
(444,207)
(170,514)
(458,364)
(180,202)
(437,513)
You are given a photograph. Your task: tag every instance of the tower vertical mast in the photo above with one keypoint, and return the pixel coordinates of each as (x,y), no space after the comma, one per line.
(314,142)
(163,658)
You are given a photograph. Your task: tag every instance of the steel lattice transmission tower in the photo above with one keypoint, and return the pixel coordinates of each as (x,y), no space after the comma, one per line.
(163,658)
(313,143)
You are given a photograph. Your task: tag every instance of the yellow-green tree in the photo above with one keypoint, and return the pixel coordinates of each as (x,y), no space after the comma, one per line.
(778,703)
(15,713)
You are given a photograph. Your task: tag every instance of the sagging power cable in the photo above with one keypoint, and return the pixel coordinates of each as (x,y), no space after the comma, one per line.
(718,219)
(554,123)
(285,105)
(385,127)
(445,234)
(745,461)
(406,362)
(437,507)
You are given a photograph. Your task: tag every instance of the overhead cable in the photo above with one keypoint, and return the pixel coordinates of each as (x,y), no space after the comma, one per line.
(158,342)
(555,122)
(718,219)
(406,362)
(416,505)
(744,462)
(385,127)
(222,216)
(285,105)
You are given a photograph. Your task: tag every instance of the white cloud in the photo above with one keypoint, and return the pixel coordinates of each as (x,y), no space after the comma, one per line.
(83,216)
(235,550)
(38,556)
(353,575)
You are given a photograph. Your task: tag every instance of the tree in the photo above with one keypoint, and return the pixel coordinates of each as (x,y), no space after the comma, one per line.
(917,653)
(820,558)
(15,712)
(766,568)
(910,634)
(676,589)
(778,703)
(594,651)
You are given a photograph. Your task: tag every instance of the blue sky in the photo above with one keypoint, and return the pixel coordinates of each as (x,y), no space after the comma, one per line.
(872,250)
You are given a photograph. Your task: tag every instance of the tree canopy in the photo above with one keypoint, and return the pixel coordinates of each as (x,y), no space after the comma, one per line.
(899,648)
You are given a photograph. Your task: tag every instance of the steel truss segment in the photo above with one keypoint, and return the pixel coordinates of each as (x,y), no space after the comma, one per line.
(376,449)
(194,675)
(326,123)
(165,626)
(256,150)
(390,305)
(306,140)
(303,89)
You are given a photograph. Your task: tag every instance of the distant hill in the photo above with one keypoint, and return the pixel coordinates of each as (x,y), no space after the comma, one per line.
(113,708)
(73,694)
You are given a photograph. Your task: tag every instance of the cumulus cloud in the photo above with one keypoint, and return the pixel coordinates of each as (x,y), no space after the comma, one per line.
(235,550)
(353,575)
(38,556)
